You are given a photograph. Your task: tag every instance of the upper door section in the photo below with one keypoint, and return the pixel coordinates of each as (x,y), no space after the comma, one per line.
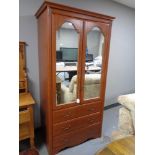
(95,54)
(67,48)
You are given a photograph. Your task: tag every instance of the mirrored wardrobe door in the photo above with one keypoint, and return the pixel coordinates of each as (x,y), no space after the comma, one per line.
(67,63)
(93,63)
(94,51)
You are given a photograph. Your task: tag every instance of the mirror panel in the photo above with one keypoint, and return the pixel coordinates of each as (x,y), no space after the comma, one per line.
(93,63)
(67,44)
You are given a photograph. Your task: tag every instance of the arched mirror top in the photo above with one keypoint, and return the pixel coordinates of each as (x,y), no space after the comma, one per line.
(67,52)
(102,27)
(96,29)
(68,25)
(96,34)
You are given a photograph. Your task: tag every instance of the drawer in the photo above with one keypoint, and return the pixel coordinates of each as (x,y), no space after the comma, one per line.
(74,138)
(75,112)
(75,124)
(24,131)
(90,108)
(24,116)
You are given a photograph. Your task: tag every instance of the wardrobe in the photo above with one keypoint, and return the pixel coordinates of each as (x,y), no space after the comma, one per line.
(73,49)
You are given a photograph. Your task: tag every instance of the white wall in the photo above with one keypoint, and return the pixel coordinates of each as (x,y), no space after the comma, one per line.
(28,33)
(121,72)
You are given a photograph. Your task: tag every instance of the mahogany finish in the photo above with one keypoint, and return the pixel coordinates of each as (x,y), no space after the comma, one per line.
(69,124)
(74,112)
(75,124)
(76,137)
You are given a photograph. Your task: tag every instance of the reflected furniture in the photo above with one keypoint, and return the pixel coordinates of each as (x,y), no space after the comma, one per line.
(26,101)
(126,123)
(91,87)
(69,122)
(124,146)
(74,68)
(58,89)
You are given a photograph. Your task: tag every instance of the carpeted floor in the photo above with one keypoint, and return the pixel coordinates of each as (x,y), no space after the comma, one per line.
(110,123)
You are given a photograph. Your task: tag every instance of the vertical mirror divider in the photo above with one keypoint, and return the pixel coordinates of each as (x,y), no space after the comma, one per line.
(79,69)
(83,61)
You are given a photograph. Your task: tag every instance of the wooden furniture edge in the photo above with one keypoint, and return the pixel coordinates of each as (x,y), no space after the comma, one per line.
(25,105)
(22,42)
(71,9)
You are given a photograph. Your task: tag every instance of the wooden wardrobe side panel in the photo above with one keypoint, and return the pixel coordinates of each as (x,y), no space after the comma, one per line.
(43,48)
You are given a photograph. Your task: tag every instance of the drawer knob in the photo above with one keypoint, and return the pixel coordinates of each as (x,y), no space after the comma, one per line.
(91,109)
(67,115)
(65,140)
(91,120)
(67,128)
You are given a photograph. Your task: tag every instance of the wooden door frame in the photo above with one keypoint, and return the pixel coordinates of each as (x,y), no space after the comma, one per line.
(88,26)
(57,21)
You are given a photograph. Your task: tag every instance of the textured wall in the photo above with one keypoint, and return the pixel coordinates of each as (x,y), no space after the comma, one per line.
(121,70)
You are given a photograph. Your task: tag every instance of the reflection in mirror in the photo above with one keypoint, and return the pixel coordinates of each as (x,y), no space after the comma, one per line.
(67,41)
(93,63)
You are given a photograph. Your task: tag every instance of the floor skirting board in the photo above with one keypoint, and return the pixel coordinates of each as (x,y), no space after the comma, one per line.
(111,106)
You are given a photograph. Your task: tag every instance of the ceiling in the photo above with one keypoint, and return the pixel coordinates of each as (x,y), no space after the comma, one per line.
(129,3)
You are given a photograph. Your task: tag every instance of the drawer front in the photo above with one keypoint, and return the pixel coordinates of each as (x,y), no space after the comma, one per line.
(24,116)
(75,112)
(90,109)
(74,138)
(24,131)
(75,124)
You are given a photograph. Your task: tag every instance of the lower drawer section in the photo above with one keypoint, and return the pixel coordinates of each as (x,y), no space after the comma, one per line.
(74,138)
(75,124)
(75,112)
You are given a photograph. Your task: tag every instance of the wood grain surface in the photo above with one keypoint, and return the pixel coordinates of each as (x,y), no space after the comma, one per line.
(125,146)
